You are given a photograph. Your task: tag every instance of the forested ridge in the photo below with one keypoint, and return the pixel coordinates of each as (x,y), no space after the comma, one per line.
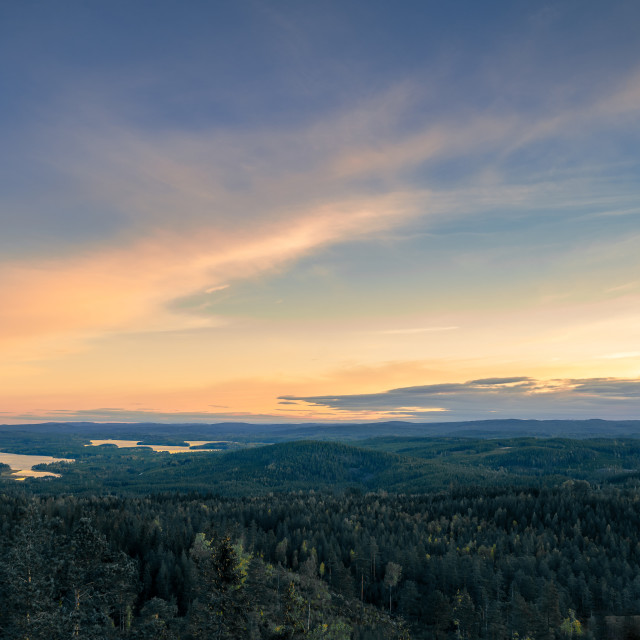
(401,465)
(542,563)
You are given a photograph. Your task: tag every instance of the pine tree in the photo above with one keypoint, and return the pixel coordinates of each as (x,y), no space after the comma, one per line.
(220,609)
(28,604)
(95,585)
(392,577)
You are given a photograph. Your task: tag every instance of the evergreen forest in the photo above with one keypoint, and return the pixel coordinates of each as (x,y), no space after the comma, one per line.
(396,538)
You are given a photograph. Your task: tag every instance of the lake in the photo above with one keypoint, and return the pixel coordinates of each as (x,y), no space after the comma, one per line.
(21,465)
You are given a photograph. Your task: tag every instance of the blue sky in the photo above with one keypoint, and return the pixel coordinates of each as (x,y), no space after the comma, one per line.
(206,207)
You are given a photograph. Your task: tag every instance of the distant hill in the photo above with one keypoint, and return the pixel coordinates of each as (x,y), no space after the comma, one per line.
(348,431)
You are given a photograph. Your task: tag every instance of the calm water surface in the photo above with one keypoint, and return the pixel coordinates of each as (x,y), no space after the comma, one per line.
(22,464)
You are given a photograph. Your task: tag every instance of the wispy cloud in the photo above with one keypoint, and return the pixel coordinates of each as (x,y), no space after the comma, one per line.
(197,212)
(284,197)
(220,287)
(628,286)
(622,354)
(124,289)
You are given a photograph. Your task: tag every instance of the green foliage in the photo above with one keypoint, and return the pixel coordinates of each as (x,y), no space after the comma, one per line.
(543,563)
(571,627)
(60,584)
(403,465)
(335,630)
(218,610)
(456,537)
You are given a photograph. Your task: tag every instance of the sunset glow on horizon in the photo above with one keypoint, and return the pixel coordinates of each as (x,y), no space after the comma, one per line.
(289,212)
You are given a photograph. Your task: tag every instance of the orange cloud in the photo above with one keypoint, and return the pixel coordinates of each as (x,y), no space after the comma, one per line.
(129,288)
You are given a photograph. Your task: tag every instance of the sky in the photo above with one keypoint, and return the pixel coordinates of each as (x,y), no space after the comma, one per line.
(290,211)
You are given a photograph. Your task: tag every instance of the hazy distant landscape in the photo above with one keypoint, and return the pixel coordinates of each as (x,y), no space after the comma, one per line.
(319,320)
(398,457)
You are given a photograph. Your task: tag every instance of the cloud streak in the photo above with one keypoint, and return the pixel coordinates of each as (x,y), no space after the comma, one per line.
(248,206)
(498,398)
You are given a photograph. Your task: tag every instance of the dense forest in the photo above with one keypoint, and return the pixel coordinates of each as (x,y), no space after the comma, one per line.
(559,562)
(395,538)
(399,465)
